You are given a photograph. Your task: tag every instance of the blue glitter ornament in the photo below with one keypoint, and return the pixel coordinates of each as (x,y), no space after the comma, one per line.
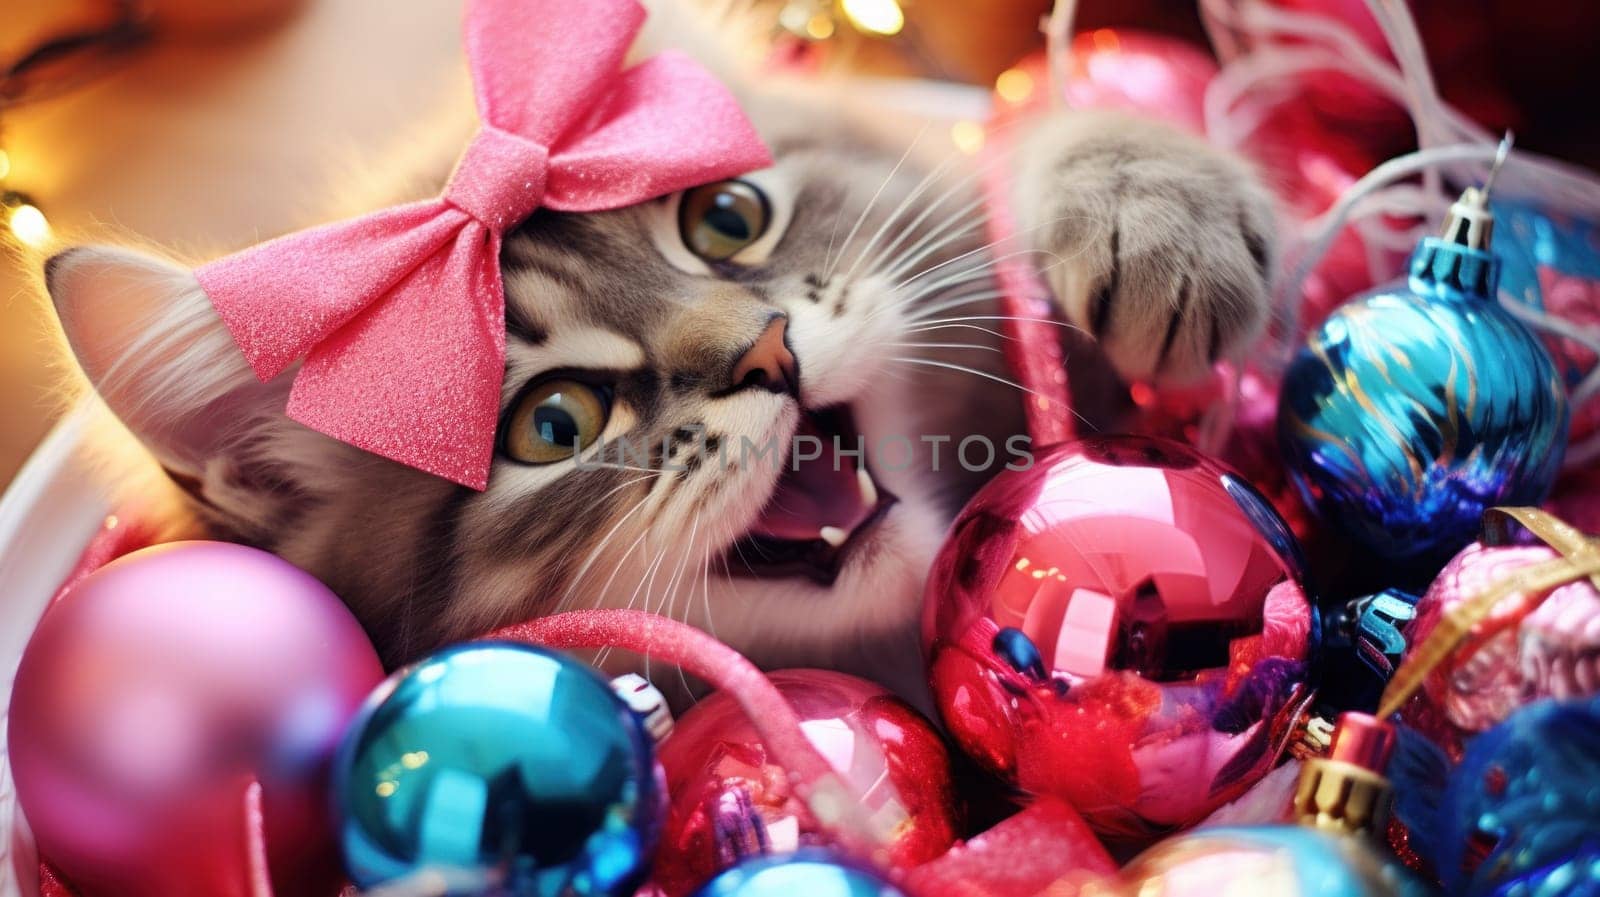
(1521,815)
(811,873)
(1415,408)
(498,768)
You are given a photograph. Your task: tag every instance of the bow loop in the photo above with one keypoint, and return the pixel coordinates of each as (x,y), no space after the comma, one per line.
(281,298)
(539,65)
(500,179)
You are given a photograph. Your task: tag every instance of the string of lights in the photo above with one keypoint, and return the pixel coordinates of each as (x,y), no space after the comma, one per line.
(54,67)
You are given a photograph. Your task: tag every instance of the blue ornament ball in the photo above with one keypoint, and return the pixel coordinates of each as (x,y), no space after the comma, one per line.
(1415,408)
(498,768)
(810,872)
(1521,813)
(1280,860)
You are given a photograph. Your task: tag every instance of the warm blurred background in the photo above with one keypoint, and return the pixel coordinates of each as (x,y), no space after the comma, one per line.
(202,125)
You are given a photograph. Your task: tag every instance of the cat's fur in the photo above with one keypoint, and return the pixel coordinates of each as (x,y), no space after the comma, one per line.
(1156,242)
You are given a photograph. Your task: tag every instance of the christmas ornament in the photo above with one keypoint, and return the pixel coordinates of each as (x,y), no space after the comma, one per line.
(502,768)
(1515,639)
(731,799)
(151,697)
(813,873)
(1280,860)
(1521,815)
(1117,626)
(1412,410)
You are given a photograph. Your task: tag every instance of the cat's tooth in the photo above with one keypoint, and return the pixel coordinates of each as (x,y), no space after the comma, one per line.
(834,536)
(869,489)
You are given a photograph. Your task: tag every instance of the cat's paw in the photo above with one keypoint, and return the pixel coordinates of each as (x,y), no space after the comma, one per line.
(1155,242)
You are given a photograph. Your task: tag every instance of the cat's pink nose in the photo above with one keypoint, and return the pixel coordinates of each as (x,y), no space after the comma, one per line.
(768,364)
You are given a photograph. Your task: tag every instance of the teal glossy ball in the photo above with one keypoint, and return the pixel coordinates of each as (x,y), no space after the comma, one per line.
(811,873)
(498,768)
(1415,408)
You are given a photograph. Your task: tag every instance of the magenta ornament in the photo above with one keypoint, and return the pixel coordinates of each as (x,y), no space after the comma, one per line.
(151,697)
(1119,626)
(1514,656)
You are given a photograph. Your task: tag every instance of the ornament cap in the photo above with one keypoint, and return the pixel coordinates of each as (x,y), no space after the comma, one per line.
(1346,792)
(1470,223)
(1364,741)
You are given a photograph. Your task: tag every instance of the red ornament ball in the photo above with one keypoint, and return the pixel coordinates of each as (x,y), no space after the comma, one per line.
(1118,626)
(730,800)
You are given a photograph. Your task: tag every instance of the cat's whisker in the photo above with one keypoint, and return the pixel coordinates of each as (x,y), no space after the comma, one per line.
(961,321)
(929,362)
(951,325)
(600,546)
(947,293)
(946,288)
(934,311)
(827,271)
(905,203)
(671,599)
(705,592)
(973,346)
(994,243)
(648,585)
(952,284)
(615,569)
(942,238)
(958,216)
(937,238)
(676,580)
(975,204)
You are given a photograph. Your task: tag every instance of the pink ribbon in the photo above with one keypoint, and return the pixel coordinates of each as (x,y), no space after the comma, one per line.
(400,315)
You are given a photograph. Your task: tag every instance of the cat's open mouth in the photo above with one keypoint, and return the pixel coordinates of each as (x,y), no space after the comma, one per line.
(825,500)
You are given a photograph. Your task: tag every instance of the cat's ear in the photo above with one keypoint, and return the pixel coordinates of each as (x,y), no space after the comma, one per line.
(153,348)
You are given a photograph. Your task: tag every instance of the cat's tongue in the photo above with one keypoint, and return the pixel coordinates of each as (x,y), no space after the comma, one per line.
(824,497)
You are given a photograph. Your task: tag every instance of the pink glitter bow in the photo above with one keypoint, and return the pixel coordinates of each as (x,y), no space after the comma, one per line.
(400,315)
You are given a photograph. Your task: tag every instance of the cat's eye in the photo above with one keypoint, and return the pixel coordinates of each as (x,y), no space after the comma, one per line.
(717,220)
(555,420)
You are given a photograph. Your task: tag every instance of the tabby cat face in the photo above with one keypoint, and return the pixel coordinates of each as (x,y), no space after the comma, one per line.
(660,360)
(681,345)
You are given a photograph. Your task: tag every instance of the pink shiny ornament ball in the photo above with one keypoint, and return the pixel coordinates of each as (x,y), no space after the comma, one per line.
(150,697)
(1514,657)
(730,800)
(1119,626)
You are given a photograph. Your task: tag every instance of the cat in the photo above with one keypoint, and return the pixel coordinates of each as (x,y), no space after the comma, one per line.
(847,291)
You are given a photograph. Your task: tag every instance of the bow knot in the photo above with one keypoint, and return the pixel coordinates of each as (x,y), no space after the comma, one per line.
(500,179)
(398,318)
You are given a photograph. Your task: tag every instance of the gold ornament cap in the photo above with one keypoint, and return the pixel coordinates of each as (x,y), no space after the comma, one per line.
(1347,792)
